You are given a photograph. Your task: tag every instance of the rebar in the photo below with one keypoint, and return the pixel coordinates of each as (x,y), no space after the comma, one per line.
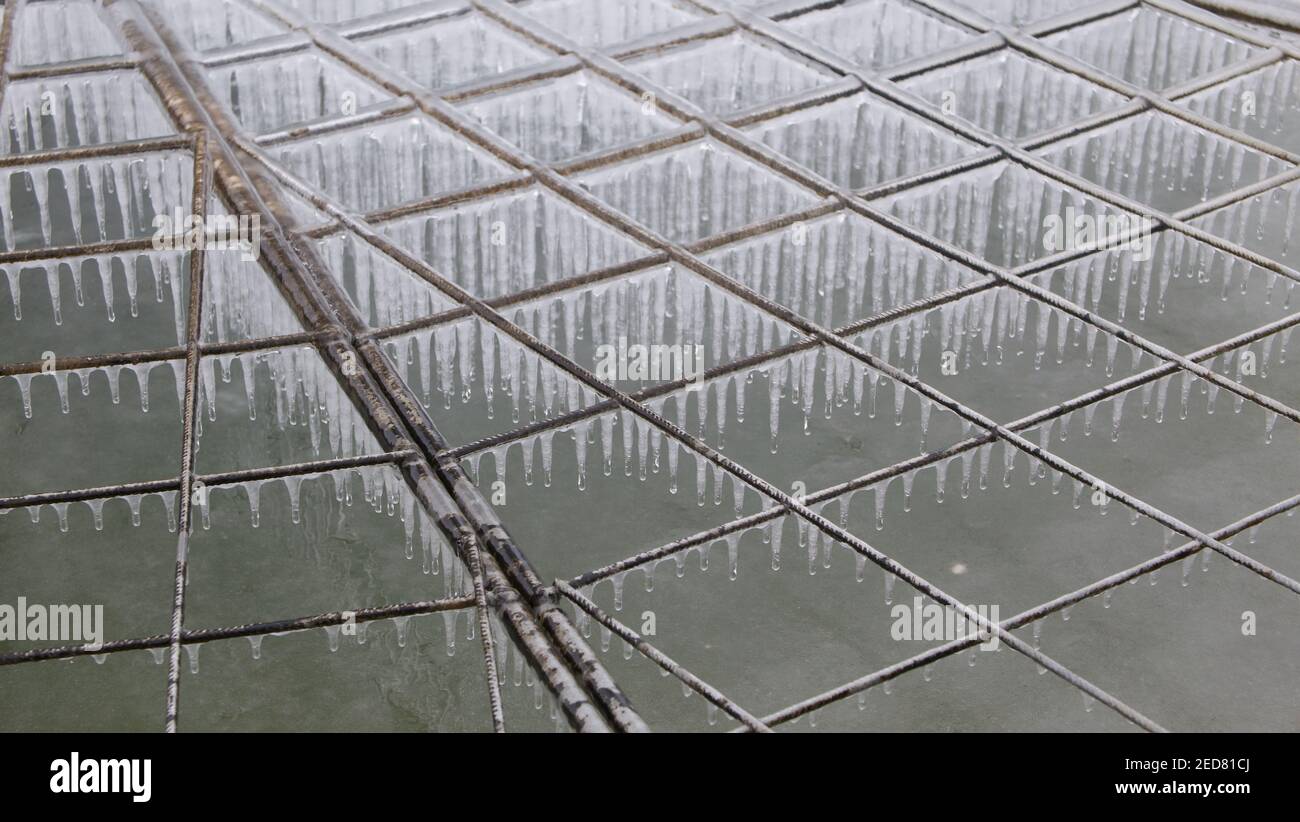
(434,106)
(504,577)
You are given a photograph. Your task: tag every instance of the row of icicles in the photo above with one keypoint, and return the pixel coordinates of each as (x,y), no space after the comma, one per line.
(318,402)
(117,195)
(382,490)
(303,393)
(240,300)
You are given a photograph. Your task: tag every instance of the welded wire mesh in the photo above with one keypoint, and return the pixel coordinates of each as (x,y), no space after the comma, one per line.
(858,215)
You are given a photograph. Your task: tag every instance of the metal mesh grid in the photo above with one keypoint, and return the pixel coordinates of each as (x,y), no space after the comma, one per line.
(651,58)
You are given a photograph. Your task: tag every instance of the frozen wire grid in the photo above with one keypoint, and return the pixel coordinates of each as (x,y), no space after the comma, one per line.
(840,205)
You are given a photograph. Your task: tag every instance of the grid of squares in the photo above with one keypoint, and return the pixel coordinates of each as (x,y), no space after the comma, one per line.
(687,194)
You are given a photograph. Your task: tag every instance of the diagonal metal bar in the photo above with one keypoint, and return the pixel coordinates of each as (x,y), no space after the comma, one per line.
(1275,16)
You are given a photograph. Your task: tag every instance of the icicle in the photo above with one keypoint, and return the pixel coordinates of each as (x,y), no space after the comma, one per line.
(547,439)
(253,490)
(617,581)
(293,484)
(449,630)
(580,432)
(733,553)
(775,529)
(96,507)
(133,502)
(61,508)
(701,479)
(881,490)
(12,274)
(25,387)
(169,502)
